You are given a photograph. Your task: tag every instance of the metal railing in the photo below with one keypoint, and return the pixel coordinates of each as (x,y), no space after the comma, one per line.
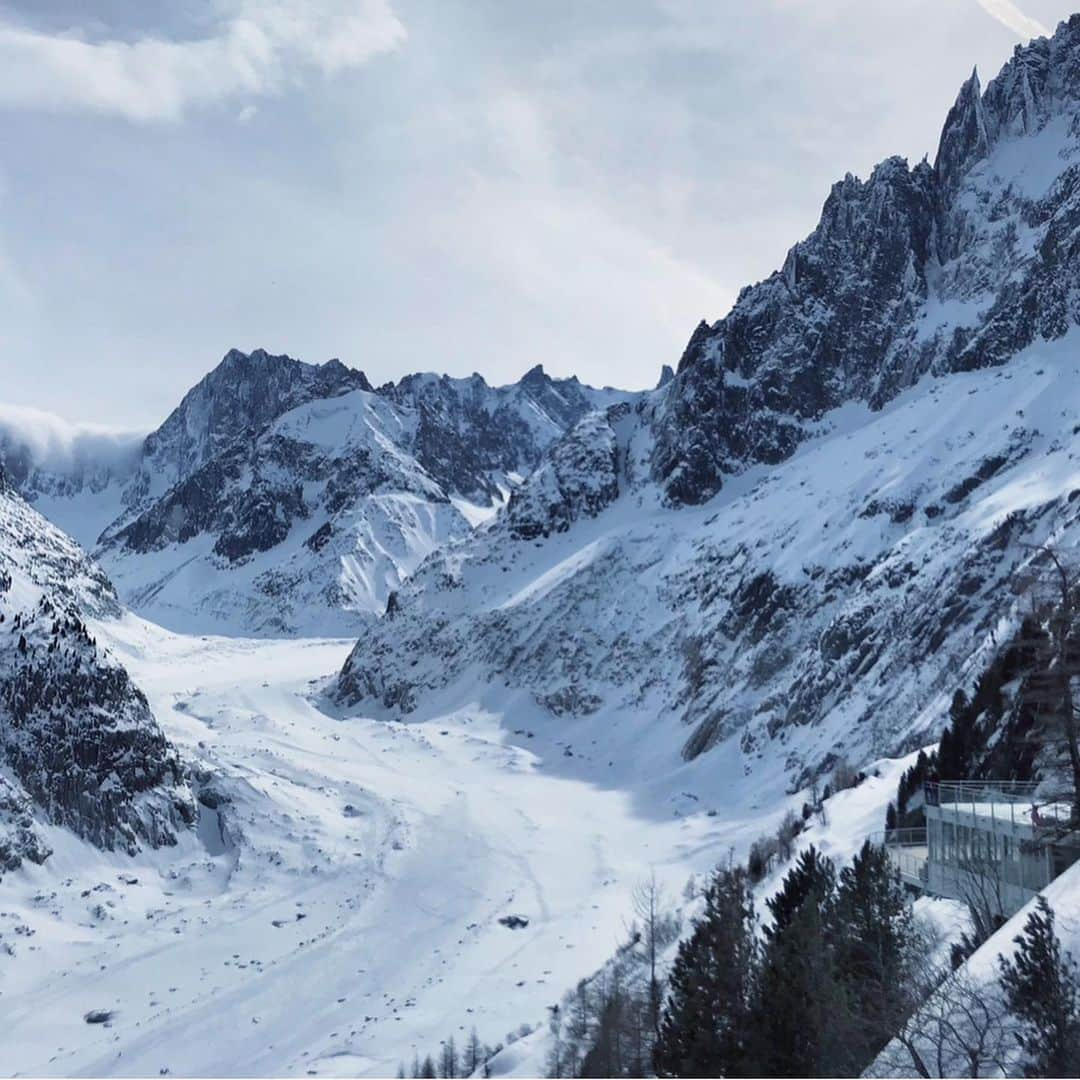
(913,869)
(907,851)
(980,791)
(1028,802)
(902,837)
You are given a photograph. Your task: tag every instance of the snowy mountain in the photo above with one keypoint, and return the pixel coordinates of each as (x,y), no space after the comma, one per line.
(943,268)
(627,631)
(77,739)
(828,605)
(283,497)
(803,543)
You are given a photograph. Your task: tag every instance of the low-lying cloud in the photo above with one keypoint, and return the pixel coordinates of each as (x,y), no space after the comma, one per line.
(46,441)
(262,46)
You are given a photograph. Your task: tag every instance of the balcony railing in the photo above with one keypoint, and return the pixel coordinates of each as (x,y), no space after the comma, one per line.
(1025,802)
(902,837)
(981,791)
(907,850)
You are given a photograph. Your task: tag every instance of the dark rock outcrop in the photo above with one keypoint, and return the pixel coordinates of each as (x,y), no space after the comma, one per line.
(578,477)
(847,318)
(78,737)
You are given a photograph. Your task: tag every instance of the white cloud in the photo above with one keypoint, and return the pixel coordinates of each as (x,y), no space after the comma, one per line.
(540,235)
(1009,15)
(58,445)
(262,46)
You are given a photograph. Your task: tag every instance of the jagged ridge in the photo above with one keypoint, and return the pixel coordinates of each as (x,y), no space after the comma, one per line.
(834,597)
(283,497)
(860,309)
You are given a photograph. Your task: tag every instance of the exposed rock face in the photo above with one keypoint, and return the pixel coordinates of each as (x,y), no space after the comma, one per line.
(943,268)
(283,497)
(237,496)
(237,400)
(19,839)
(580,476)
(469,434)
(817,333)
(800,343)
(821,602)
(77,736)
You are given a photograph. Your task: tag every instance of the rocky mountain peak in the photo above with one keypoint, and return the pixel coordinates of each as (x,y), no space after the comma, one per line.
(800,342)
(896,279)
(964,138)
(535,377)
(1040,81)
(695,347)
(242,394)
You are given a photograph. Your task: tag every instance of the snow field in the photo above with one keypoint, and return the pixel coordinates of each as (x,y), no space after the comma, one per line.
(349,915)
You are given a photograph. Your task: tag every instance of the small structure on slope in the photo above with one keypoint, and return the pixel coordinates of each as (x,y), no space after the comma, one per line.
(991,841)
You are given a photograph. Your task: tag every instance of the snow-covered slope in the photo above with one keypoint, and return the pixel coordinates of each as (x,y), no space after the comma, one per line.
(355,867)
(283,497)
(801,544)
(942,268)
(828,605)
(79,746)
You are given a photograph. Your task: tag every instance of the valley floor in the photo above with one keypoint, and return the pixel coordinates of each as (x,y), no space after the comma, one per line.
(350,913)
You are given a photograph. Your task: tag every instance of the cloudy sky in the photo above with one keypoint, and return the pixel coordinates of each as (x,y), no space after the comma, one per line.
(450,185)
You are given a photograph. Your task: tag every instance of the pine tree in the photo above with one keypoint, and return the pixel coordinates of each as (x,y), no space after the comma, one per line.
(473,1055)
(874,940)
(448,1060)
(872,913)
(427,1069)
(800,1019)
(711,986)
(794,1027)
(1043,992)
(812,876)
(954,750)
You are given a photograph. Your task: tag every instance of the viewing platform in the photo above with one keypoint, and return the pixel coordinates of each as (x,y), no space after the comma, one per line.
(997,842)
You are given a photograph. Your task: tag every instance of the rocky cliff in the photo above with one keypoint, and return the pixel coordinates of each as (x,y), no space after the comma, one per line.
(806,540)
(79,746)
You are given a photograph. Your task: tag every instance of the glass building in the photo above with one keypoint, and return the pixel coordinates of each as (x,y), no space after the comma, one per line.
(988,842)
